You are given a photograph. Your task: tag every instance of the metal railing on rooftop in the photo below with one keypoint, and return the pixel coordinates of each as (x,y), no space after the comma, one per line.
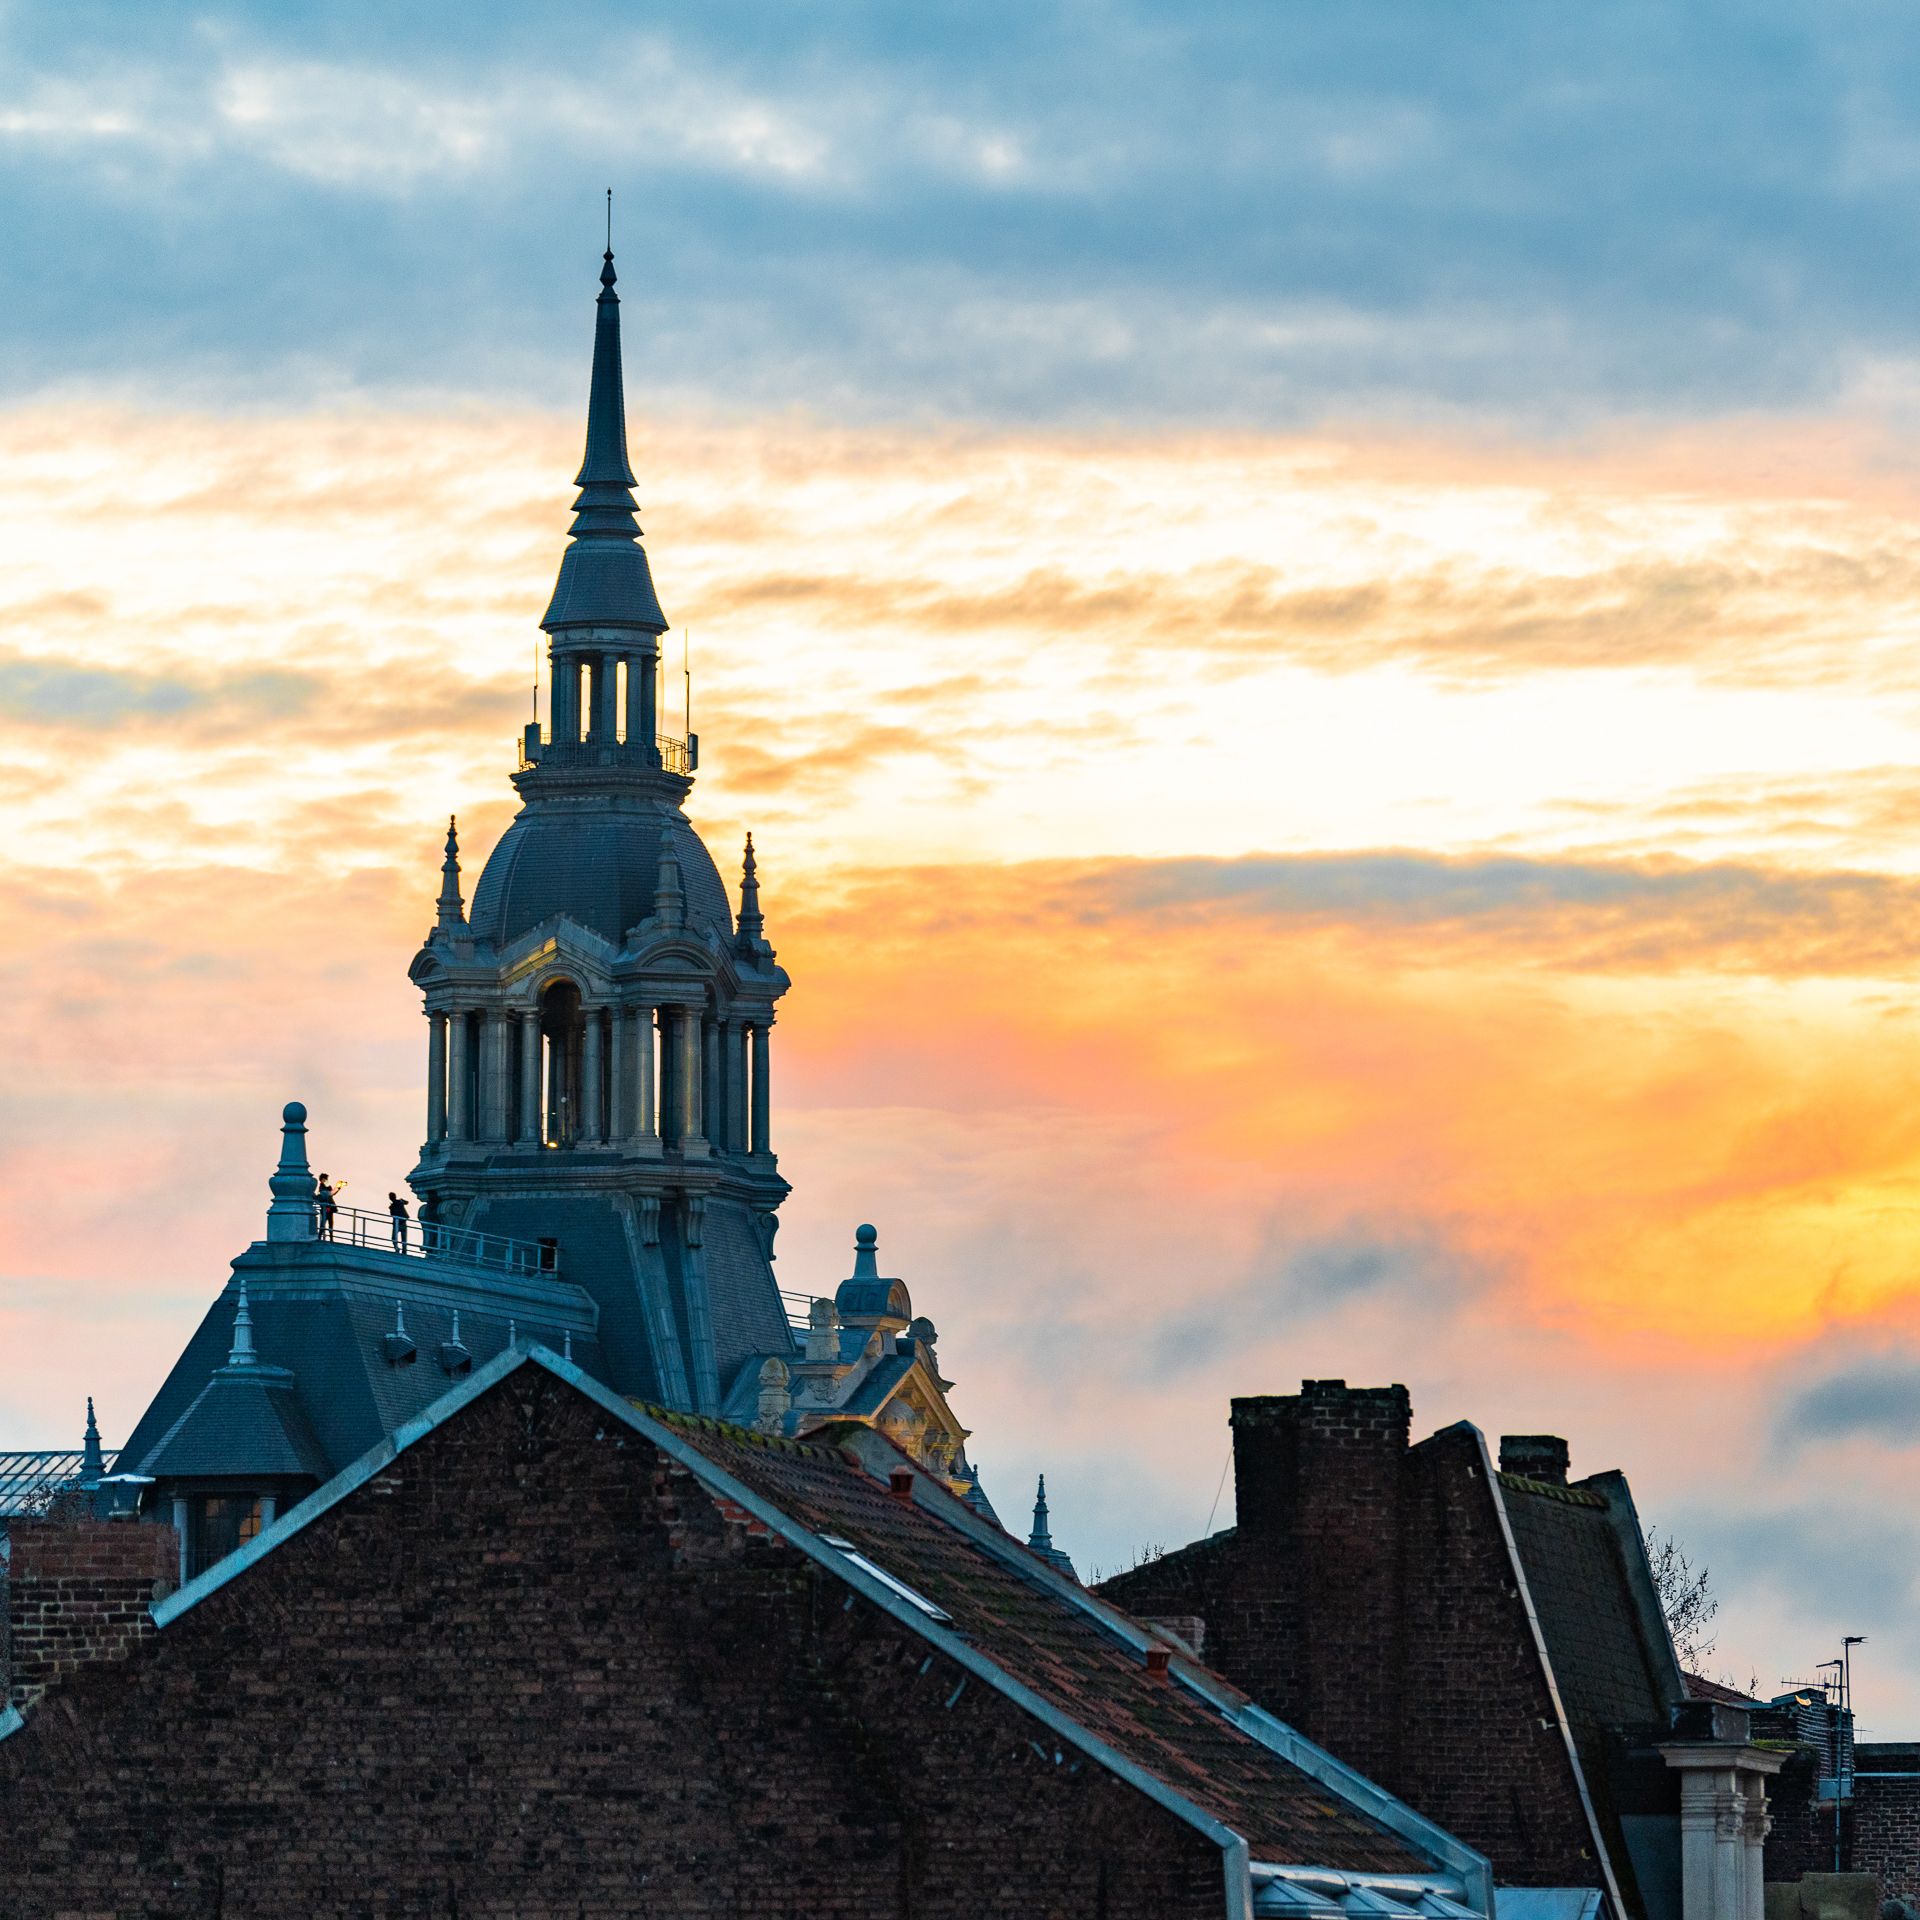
(672,754)
(799,1308)
(429,1240)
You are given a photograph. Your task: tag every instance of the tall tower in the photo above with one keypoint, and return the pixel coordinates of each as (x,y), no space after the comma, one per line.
(599,1023)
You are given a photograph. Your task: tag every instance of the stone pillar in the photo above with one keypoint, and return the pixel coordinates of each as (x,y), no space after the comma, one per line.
(529,1079)
(565,702)
(762,1091)
(736,1051)
(1723,1821)
(645,1126)
(642,721)
(640,699)
(600,724)
(269,1507)
(459,1080)
(181,1515)
(436,1077)
(689,1074)
(620,1079)
(590,1078)
(713,1086)
(496,1075)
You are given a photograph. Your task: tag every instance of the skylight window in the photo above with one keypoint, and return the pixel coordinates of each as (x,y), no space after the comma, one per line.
(886,1579)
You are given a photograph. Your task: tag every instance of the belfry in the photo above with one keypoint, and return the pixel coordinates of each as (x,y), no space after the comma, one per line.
(599,1050)
(597,1181)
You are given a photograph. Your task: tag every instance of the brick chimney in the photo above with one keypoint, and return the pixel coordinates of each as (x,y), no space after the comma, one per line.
(1318,1484)
(1535,1456)
(76,1591)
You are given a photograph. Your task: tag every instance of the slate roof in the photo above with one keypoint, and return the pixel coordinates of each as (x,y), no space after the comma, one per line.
(322,1311)
(1610,1670)
(1020,1616)
(599,864)
(244,1423)
(1699,1687)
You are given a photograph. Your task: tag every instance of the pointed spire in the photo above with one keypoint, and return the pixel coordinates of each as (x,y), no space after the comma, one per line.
(669,897)
(93,1463)
(753,922)
(604,578)
(452,911)
(241,1354)
(1040,1540)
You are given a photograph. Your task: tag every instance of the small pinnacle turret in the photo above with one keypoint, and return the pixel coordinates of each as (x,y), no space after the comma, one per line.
(452,909)
(751,938)
(93,1463)
(241,1354)
(1040,1540)
(669,896)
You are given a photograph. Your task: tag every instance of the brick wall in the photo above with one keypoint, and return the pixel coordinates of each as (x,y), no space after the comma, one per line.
(75,1590)
(1885,1833)
(1366,1596)
(533,1669)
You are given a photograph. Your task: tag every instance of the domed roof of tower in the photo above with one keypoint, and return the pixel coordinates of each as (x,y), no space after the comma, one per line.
(600,868)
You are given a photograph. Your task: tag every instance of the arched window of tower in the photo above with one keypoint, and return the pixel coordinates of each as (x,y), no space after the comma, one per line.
(563,1046)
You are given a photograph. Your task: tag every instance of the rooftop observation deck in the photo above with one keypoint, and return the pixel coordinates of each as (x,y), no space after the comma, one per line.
(428,1241)
(671,754)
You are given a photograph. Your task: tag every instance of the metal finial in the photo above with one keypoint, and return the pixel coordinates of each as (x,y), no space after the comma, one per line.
(400,1318)
(241,1353)
(609,223)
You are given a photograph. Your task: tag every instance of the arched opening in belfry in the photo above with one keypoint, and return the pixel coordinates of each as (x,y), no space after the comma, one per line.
(562,1036)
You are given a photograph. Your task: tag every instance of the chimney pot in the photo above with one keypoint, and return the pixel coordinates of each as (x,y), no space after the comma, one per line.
(1157,1660)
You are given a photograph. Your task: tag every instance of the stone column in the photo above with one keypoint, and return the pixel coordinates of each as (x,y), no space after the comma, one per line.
(642,722)
(181,1515)
(689,1074)
(436,1077)
(644,1124)
(530,1079)
(762,1091)
(565,701)
(496,1076)
(640,716)
(600,725)
(459,1088)
(590,1078)
(1723,1822)
(713,1086)
(736,1050)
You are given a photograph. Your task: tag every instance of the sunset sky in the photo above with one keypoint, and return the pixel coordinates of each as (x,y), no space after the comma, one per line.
(1315,612)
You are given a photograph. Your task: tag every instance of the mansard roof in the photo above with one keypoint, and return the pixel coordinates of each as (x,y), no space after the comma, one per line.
(321,1313)
(852,1504)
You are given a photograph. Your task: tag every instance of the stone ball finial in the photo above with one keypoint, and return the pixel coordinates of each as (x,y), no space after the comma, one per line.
(866,1236)
(922,1330)
(294,1114)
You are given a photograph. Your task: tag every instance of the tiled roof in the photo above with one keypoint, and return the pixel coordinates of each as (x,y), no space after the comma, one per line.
(1011,1610)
